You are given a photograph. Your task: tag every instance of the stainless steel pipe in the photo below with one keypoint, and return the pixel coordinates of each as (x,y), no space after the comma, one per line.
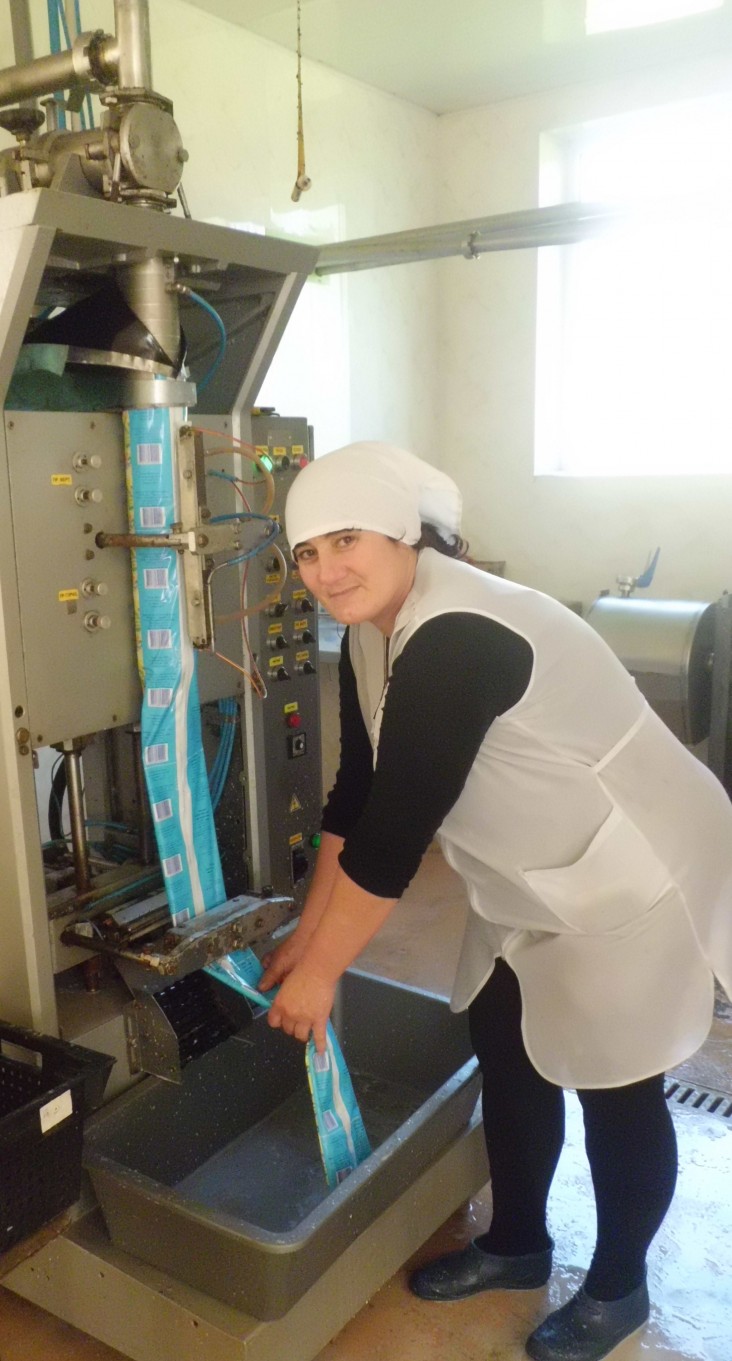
(86,61)
(145,285)
(557,225)
(75,792)
(132,26)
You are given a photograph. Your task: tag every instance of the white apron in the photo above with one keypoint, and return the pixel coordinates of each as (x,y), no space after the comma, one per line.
(596,850)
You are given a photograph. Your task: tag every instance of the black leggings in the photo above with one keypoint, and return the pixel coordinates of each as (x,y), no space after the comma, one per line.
(629,1138)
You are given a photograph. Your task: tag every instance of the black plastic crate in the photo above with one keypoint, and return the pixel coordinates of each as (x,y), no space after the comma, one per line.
(47,1087)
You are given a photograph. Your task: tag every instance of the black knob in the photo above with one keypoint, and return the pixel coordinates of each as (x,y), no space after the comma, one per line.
(306,606)
(308,669)
(282,674)
(307,636)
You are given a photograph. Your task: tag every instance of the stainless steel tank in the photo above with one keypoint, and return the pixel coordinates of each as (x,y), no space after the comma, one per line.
(667,645)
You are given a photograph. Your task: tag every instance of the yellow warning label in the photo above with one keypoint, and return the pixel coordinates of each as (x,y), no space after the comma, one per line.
(299,595)
(279,451)
(298,449)
(276,661)
(291,708)
(302,656)
(295,804)
(61,480)
(274,628)
(272,578)
(261,449)
(300,624)
(68,595)
(295,839)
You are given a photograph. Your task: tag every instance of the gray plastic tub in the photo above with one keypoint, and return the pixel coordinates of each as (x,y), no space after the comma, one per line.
(219,1182)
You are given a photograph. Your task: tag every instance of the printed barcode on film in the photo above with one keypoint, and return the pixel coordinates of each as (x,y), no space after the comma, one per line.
(159,698)
(329,1121)
(156,755)
(152,517)
(149,453)
(173,865)
(155,578)
(163,810)
(159,638)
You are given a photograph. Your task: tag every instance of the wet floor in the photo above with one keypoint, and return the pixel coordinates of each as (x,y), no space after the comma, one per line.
(690,1266)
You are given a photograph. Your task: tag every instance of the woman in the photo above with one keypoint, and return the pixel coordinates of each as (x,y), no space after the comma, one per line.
(597,854)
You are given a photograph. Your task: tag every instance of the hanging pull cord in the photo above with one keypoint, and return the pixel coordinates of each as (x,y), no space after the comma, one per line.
(302,182)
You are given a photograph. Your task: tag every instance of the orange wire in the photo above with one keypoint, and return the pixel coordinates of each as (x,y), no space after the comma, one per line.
(253,455)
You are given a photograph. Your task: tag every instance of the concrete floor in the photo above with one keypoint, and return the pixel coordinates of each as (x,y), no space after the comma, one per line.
(690,1267)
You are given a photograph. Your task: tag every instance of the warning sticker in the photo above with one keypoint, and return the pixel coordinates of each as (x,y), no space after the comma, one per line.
(68,595)
(295,804)
(61,480)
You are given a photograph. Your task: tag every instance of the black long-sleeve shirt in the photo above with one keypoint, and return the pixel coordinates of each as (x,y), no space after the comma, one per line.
(456,674)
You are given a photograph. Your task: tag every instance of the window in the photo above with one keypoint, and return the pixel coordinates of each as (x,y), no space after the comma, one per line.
(603,15)
(634,335)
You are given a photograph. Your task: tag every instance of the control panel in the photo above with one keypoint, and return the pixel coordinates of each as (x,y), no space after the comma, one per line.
(284,639)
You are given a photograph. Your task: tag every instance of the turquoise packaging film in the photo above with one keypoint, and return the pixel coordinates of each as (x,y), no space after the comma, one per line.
(172,747)
(341,1132)
(175,768)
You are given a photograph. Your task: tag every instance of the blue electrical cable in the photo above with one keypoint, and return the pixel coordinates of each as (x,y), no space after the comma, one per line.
(201,302)
(89,106)
(67,39)
(54,34)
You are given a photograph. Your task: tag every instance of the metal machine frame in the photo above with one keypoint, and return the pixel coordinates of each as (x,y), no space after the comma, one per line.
(48,236)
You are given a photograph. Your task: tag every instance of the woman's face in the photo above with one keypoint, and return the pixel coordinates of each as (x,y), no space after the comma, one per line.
(358,575)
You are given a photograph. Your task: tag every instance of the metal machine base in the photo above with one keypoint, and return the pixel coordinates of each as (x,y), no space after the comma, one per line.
(148,1316)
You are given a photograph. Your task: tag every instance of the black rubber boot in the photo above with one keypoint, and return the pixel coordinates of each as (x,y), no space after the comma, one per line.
(588,1330)
(465,1273)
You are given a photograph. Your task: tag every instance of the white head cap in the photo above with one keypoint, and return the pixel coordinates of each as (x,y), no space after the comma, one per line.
(371,486)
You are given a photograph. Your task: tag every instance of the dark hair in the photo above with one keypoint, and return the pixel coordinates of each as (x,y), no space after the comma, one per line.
(453,547)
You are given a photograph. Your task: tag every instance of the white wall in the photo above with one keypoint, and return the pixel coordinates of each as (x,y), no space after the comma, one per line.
(371,161)
(439,357)
(568,536)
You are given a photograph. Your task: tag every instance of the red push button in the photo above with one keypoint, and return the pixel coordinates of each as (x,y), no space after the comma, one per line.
(293,720)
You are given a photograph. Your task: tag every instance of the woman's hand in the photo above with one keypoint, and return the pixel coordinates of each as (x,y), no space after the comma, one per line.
(303,1005)
(283,960)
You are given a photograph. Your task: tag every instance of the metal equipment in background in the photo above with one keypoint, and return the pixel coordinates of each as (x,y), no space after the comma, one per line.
(111,305)
(680,654)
